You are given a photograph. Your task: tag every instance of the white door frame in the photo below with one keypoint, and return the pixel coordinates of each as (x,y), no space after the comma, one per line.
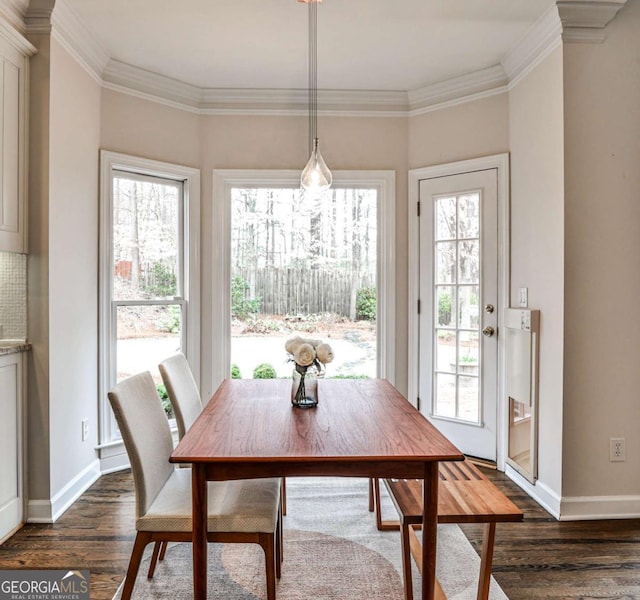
(501,163)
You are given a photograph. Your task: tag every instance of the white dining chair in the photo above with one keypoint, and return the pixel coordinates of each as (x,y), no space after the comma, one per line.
(243,511)
(184,395)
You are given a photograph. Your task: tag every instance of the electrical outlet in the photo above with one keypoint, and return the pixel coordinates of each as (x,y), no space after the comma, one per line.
(617,450)
(85,429)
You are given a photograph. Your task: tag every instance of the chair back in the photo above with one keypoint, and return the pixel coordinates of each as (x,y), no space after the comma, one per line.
(146,435)
(182,390)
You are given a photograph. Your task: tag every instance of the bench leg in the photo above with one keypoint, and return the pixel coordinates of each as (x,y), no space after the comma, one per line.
(486,560)
(406,562)
(382,525)
(416,552)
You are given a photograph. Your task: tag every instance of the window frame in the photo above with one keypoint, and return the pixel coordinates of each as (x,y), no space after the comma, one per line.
(112,163)
(384,182)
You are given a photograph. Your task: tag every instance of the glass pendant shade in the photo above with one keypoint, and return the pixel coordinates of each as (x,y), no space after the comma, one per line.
(316,176)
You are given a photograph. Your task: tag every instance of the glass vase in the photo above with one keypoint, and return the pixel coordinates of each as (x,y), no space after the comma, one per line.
(304,387)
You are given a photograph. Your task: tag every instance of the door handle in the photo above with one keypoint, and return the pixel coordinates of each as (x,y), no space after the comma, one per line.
(488,331)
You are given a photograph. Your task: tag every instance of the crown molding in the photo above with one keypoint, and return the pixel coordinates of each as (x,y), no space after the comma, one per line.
(121,77)
(16,39)
(79,41)
(125,78)
(13,12)
(296,101)
(584,21)
(37,18)
(540,40)
(457,88)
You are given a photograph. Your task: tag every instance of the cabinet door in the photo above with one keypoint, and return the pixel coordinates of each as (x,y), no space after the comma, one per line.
(11,450)
(12,139)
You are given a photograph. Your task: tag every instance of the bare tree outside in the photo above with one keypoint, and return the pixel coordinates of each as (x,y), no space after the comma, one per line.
(145,274)
(303,266)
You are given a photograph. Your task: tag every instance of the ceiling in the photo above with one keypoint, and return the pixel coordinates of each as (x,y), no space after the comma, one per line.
(384,45)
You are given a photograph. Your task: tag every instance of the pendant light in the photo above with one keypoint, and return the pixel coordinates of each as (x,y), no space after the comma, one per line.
(315,177)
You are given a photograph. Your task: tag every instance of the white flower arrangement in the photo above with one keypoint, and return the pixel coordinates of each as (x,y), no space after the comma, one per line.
(306,352)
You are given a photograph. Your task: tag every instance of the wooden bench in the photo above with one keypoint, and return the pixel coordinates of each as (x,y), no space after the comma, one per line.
(465,495)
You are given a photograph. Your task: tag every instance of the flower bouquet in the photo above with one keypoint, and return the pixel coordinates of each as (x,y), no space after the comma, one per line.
(310,357)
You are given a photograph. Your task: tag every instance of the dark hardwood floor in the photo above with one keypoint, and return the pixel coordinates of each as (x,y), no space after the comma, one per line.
(96,533)
(538,558)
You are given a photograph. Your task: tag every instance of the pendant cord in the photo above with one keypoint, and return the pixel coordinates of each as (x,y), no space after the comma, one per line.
(313,74)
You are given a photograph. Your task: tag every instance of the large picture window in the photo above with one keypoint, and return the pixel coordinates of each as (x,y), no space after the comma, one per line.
(304,267)
(148,298)
(277,225)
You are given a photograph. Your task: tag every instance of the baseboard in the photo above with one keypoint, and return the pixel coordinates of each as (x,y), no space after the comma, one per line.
(540,492)
(49,511)
(113,458)
(592,508)
(39,511)
(578,508)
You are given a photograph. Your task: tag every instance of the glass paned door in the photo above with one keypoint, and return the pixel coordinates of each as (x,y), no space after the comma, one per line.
(458,290)
(456,295)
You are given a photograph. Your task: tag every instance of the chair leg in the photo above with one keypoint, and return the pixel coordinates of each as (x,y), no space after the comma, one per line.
(283,491)
(406,562)
(267,541)
(279,545)
(163,550)
(154,559)
(372,503)
(142,539)
(281,532)
(486,560)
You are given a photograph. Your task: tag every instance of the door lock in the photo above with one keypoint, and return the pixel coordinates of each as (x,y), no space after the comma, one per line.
(489,308)
(488,331)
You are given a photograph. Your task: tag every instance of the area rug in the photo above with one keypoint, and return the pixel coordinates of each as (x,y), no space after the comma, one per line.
(332,551)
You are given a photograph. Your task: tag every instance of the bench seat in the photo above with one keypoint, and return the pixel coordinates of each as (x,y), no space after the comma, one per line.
(465,495)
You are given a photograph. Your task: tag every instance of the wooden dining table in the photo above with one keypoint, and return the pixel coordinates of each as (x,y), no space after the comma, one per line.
(360,428)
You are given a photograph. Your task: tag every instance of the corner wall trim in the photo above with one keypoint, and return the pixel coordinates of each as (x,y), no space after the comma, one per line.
(49,511)
(540,492)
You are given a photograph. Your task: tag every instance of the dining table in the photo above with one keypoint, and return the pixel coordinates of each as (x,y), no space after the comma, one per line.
(359,428)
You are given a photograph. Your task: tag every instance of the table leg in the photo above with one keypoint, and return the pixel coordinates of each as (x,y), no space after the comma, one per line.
(429,529)
(199,508)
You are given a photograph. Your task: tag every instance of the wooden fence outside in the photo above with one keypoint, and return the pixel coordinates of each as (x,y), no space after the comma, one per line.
(305,291)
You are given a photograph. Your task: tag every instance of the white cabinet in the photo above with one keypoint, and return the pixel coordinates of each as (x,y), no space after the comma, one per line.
(13,106)
(11,444)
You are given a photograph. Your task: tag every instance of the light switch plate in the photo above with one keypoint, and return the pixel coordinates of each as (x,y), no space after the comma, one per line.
(524,297)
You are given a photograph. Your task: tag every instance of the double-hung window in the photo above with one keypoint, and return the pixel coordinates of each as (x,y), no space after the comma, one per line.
(149,285)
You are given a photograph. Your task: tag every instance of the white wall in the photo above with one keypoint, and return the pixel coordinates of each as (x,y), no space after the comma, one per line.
(469,130)
(602,278)
(73,259)
(537,240)
(62,303)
